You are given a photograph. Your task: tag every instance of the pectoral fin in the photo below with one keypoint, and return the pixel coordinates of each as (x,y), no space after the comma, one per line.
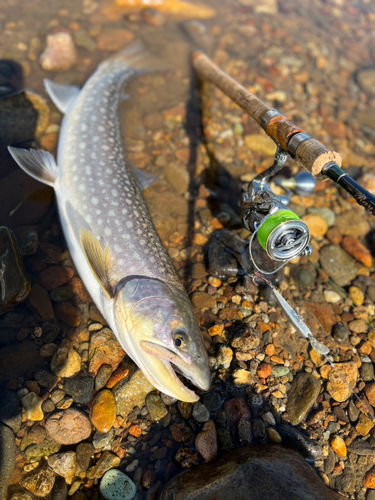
(143,180)
(98,259)
(37,163)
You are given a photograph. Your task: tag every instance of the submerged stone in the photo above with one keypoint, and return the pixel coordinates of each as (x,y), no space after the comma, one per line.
(302,395)
(15,284)
(115,485)
(253,472)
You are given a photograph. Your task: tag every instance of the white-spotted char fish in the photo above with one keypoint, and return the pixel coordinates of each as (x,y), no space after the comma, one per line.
(112,240)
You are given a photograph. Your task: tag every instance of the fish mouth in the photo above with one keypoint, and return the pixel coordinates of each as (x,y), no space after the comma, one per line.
(171,360)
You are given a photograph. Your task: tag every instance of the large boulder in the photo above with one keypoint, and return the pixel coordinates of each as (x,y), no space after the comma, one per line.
(253,472)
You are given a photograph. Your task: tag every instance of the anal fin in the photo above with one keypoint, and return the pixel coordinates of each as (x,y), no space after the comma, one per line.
(98,259)
(62,96)
(143,180)
(38,163)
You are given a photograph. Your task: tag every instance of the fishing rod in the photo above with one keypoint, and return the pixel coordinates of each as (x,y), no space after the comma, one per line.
(281,233)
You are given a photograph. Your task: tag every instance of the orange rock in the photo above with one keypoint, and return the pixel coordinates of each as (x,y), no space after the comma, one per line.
(325,370)
(177,7)
(264,370)
(215,330)
(357,250)
(317,225)
(369,390)
(270,350)
(369,479)
(79,290)
(114,39)
(103,411)
(117,375)
(364,425)
(199,239)
(338,446)
(365,348)
(104,349)
(68,313)
(49,141)
(341,379)
(277,360)
(135,430)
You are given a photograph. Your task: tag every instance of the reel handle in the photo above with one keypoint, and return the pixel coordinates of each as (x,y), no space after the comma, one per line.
(310,153)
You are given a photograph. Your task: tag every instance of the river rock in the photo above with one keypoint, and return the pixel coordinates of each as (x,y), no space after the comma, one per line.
(104,349)
(339,384)
(352,223)
(309,449)
(102,377)
(15,284)
(64,464)
(66,362)
(55,276)
(10,410)
(84,452)
(103,411)
(68,427)
(302,395)
(33,406)
(37,434)
(40,304)
(60,53)
(338,264)
(44,449)
(7,457)
(177,176)
(253,472)
(156,407)
(39,482)
(27,239)
(115,485)
(206,441)
(107,461)
(80,389)
(131,393)
(200,413)
(304,276)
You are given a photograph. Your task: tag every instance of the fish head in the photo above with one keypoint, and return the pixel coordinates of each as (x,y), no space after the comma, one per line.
(159,331)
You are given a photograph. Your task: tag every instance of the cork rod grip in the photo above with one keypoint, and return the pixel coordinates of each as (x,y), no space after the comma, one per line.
(311,154)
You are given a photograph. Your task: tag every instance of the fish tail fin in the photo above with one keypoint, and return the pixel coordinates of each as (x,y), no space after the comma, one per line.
(137,58)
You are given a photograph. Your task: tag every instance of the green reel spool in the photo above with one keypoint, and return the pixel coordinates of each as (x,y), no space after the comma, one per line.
(283,235)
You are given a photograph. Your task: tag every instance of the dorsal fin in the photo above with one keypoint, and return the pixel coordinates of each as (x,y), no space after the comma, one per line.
(62,96)
(98,259)
(37,163)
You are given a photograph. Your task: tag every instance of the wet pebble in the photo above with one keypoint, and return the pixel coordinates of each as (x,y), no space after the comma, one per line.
(187,458)
(357,250)
(80,389)
(364,425)
(40,304)
(244,430)
(102,377)
(346,482)
(302,395)
(68,427)
(44,449)
(106,461)
(27,239)
(185,409)
(103,411)
(101,441)
(37,434)
(304,275)
(156,407)
(84,452)
(236,409)
(308,448)
(273,435)
(61,294)
(39,482)
(369,479)
(225,439)
(67,313)
(338,264)
(33,406)
(114,39)
(64,464)
(15,282)
(60,53)
(367,372)
(66,362)
(259,429)
(55,276)
(200,413)
(339,384)
(340,332)
(338,446)
(353,412)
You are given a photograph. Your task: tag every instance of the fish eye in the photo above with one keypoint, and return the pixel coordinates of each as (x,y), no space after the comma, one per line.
(179,339)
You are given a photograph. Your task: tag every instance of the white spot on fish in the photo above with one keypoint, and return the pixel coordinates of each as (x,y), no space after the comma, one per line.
(98,212)
(107,231)
(124,211)
(111,213)
(94,200)
(82,145)
(83,127)
(129,224)
(114,192)
(82,187)
(105,147)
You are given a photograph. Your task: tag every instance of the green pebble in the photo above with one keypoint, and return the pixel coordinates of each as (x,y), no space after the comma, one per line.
(280,371)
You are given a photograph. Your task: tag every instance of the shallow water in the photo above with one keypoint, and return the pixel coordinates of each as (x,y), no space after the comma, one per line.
(303,57)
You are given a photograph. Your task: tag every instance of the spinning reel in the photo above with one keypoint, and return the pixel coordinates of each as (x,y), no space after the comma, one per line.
(281,233)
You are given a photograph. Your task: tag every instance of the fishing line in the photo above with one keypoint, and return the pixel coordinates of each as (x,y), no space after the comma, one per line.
(318,347)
